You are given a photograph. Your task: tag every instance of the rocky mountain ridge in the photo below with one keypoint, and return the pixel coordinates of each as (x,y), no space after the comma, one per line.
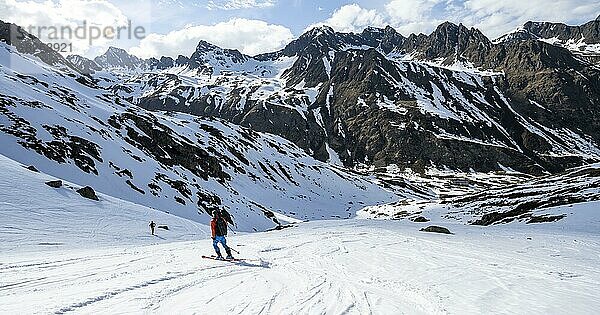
(461,101)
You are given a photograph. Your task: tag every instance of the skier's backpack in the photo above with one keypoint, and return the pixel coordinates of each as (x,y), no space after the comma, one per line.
(225,215)
(221,226)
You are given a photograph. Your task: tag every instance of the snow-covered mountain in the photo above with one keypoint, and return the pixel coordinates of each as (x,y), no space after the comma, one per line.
(67,126)
(451,99)
(223,129)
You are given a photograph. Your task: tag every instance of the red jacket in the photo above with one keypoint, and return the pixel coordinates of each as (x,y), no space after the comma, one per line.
(213,227)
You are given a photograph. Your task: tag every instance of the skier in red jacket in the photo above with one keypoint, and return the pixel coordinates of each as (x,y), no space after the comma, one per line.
(218,226)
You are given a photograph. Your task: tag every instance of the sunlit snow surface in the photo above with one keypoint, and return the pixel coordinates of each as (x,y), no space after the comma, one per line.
(62,253)
(331,267)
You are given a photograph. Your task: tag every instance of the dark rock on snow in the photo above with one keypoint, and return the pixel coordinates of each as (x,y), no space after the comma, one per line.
(88,192)
(420,219)
(32,168)
(436,229)
(55,183)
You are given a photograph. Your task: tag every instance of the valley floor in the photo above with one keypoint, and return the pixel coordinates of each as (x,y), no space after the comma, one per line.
(333,267)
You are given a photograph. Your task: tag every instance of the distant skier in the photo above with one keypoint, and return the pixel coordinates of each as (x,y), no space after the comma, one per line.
(152,225)
(218,226)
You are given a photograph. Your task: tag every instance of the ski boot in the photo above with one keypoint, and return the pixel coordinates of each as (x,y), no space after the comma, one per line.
(229,256)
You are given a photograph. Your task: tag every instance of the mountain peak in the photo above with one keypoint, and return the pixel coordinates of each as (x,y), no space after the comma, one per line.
(115,57)
(205,46)
(116,51)
(320,30)
(446,26)
(373,29)
(389,29)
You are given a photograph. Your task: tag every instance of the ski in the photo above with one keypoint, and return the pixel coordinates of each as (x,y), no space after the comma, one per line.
(224,259)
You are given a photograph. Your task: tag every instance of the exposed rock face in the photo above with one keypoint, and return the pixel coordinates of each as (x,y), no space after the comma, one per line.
(183,164)
(24,42)
(182,60)
(388,40)
(588,33)
(84,65)
(88,192)
(370,106)
(524,202)
(163,63)
(582,40)
(449,43)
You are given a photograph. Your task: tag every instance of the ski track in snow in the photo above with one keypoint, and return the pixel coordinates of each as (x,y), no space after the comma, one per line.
(328,267)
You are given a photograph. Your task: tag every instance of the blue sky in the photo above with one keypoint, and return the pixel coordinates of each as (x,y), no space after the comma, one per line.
(254,26)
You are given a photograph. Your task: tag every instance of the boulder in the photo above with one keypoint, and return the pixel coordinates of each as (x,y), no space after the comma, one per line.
(420,219)
(55,183)
(88,192)
(32,168)
(436,229)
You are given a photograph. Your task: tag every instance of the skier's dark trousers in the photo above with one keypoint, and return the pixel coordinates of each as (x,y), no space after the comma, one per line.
(218,226)
(152,225)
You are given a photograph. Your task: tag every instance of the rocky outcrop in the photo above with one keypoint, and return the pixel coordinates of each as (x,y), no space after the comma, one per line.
(84,65)
(420,219)
(32,168)
(88,192)
(436,229)
(55,183)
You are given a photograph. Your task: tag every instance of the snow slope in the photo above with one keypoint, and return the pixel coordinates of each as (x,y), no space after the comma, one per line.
(37,218)
(324,267)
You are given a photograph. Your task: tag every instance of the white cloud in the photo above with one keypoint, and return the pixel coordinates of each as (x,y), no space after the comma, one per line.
(410,10)
(417,16)
(249,36)
(353,18)
(497,17)
(239,4)
(493,17)
(33,15)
